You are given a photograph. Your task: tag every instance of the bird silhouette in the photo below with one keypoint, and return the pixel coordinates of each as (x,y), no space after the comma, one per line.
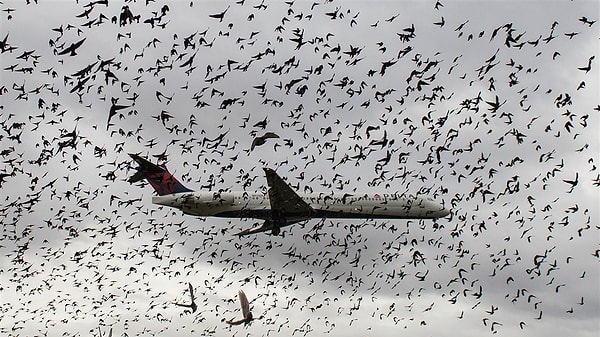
(114,108)
(261,140)
(71,50)
(193,304)
(247,315)
(220,15)
(588,67)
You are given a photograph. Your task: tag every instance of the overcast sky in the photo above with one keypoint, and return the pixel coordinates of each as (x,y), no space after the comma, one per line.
(489,108)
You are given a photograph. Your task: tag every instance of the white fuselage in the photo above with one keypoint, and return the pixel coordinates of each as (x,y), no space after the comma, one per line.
(325,205)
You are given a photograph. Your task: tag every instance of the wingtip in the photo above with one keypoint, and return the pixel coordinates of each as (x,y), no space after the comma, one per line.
(243,233)
(136,157)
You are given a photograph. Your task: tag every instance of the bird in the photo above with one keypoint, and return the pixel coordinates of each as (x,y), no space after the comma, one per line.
(261,140)
(220,15)
(192,305)
(573,182)
(587,21)
(114,108)
(247,315)
(71,50)
(588,67)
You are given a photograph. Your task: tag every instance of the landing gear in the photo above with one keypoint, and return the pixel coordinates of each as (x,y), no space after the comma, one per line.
(275,230)
(278,220)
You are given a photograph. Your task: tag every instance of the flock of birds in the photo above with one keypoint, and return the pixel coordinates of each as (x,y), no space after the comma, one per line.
(466,111)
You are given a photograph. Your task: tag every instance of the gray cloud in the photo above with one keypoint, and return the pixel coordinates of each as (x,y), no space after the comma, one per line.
(86,251)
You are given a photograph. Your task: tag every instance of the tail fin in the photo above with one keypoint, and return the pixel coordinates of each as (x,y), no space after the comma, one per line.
(158,176)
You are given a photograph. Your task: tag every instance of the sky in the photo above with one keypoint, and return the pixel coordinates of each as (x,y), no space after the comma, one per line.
(488,108)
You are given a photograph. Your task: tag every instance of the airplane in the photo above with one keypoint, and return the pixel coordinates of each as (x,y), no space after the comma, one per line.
(280,206)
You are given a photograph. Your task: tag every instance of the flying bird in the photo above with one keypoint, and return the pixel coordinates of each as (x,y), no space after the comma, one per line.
(261,140)
(114,108)
(192,305)
(219,16)
(247,315)
(71,50)
(589,65)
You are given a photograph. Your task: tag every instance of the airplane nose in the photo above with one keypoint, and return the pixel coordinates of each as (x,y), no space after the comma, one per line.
(443,213)
(437,210)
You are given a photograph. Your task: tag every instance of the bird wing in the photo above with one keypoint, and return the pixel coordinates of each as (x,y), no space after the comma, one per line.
(257,142)
(65,51)
(270,135)
(113,111)
(191,291)
(72,47)
(238,322)
(244,303)
(78,43)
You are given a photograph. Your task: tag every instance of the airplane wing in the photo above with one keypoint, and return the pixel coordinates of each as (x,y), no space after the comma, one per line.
(286,206)
(285,203)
